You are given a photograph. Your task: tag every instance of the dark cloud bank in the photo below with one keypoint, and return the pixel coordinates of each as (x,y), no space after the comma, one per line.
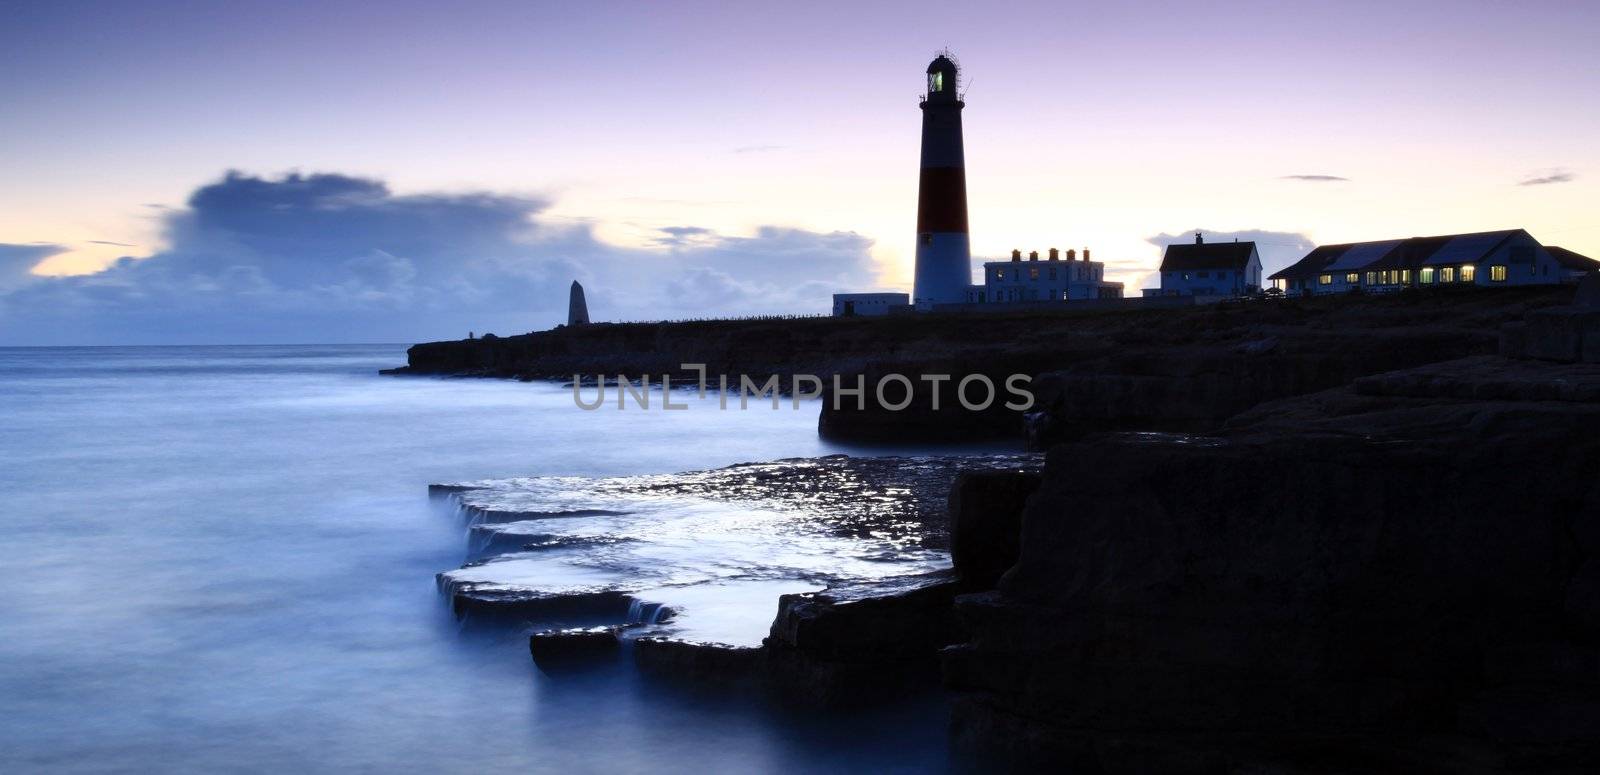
(332,258)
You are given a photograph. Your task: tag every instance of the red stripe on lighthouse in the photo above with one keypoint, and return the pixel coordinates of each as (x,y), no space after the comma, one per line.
(942,200)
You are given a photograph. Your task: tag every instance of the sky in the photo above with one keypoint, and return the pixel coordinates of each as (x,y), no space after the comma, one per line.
(201,172)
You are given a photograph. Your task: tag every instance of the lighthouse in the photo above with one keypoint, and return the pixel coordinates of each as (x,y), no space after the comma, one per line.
(944,253)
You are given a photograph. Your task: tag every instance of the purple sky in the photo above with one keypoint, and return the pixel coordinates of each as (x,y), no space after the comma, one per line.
(695,151)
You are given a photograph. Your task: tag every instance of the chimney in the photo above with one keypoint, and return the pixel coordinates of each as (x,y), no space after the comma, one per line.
(1086,254)
(1199,239)
(1016,255)
(1033,255)
(1072,255)
(1055,255)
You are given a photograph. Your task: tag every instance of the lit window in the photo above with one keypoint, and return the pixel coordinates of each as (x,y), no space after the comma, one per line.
(999,274)
(1447,274)
(1372,278)
(1352,278)
(1497,273)
(1427,276)
(936,82)
(1405,276)
(1468,272)
(1326,279)
(1185,275)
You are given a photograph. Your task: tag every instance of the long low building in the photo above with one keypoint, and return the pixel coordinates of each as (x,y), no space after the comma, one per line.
(1491,258)
(869,304)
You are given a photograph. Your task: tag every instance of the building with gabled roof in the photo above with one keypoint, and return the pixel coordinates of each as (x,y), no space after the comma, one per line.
(1490,258)
(1573,265)
(1200,268)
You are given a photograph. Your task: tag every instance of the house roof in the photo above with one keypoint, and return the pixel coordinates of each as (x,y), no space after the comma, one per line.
(1313,264)
(1362,254)
(1570,260)
(1398,254)
(1187,256)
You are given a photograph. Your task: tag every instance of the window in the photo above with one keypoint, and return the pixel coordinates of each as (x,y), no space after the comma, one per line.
(1405,276)
(1427,276)
(1185,275)
(1352,278)
(1497,273)
(1033,273)
(1326,279)
(999,274)
(935,82)
(1372,278)
(1052,273)
(1205,275)
(1468,272)
(1447,274)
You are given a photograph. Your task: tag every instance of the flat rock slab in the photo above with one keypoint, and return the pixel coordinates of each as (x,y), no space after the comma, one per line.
(558,650)
(718,546)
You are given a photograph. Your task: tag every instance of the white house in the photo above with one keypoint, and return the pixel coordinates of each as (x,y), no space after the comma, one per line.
(867,304)
(1209,269)
(1033,280)
(1490,259)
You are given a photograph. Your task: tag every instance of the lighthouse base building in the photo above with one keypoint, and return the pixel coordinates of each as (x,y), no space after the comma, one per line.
(1052,280)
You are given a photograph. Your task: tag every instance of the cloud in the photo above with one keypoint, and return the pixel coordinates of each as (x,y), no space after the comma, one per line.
(114,244)
(1547,177)
(758,148)
(1315,178)
(1278,249)
(331,258)
(17,261)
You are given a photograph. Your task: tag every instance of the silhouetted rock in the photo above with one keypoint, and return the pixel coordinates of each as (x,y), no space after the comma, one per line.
(557,650)
(701,665)
(986,523)
(1360,573)
(1569,334)
(862,642)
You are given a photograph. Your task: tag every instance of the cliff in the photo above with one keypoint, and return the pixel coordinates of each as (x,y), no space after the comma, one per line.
(1173,369)
(1402,574)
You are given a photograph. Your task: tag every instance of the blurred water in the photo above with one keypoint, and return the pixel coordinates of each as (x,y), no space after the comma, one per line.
(221,559)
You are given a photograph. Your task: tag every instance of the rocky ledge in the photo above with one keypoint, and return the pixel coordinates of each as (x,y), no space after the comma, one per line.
(847,645)
(1398,575)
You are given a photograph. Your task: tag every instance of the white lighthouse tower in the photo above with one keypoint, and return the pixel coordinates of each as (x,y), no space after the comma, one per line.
(944,252)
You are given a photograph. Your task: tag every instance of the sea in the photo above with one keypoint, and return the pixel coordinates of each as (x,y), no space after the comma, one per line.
(226,559)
